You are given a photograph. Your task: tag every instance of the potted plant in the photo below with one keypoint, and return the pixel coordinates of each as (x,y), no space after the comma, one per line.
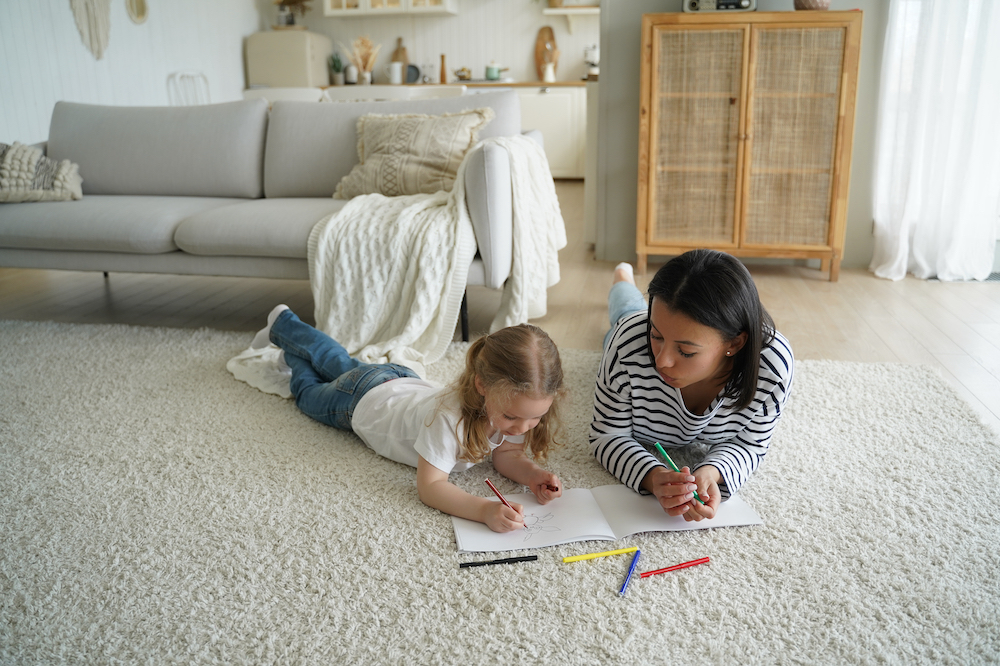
(336,69)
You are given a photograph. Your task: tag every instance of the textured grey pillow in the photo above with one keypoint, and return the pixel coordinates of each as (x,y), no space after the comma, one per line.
(27,175)
(411,153)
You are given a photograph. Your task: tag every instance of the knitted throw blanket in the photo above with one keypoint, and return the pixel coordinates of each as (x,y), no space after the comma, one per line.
(539,234)
(388,273)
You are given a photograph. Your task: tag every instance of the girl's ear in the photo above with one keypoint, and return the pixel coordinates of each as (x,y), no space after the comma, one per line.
(736,344)
(479,387)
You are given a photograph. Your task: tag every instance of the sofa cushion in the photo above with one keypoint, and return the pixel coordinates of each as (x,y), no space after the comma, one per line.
(213,150)
(311,147)
(101,223)
(261,228)
(411,153)
(27,175)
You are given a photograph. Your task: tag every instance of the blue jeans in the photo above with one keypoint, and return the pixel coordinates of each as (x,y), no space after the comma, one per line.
(623,300)
(326,382)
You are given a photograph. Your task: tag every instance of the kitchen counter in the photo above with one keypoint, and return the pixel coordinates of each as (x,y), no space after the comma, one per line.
(524,84)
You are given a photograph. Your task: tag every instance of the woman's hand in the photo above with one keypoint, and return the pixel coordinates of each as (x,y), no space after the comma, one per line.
(500,518)
(674,490)
(545,486)
(706,479)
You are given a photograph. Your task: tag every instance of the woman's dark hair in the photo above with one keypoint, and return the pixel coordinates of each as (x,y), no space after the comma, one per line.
(714,289)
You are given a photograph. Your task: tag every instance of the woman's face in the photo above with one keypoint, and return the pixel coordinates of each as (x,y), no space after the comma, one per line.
(686,352)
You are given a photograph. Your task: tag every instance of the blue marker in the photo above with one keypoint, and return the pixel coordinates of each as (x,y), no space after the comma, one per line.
(631,570)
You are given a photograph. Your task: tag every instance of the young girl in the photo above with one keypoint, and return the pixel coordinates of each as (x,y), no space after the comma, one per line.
(504,403)
(700,363)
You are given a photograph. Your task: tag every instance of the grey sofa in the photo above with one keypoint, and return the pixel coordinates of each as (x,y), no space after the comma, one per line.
(229,189)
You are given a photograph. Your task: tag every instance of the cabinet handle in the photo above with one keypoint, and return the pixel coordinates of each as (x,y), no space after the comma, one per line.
(543,90)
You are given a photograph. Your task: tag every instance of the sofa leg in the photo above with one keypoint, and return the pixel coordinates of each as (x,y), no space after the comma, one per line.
(105,275)
(465,316)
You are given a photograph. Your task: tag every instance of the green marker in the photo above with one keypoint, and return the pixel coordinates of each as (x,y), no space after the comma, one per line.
(664,454)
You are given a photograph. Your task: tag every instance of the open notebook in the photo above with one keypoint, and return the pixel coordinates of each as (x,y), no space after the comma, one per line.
(605,513)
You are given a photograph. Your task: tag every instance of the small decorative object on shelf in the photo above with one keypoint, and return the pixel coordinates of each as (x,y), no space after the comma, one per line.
(287,9)
(362,55)
(546,53)
(336,70)
(812,4)
(350,75)
(399,55)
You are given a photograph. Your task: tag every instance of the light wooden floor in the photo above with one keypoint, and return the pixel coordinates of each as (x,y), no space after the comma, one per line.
(953,327)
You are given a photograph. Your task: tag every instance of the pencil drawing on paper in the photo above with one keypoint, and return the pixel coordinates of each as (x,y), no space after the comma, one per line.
(533,525)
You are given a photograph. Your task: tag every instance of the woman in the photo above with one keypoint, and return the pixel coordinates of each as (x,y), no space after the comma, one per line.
(700,363)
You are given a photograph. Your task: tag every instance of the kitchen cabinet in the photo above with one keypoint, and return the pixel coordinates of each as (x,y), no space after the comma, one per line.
(370,8)
(746,125)
(560,113)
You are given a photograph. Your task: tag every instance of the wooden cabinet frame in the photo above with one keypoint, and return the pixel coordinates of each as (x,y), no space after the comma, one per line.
(751,25)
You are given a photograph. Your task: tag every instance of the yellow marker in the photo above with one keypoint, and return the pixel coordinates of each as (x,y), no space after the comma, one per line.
(590,556)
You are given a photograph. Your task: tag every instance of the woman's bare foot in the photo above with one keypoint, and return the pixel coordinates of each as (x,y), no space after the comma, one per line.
(624,273)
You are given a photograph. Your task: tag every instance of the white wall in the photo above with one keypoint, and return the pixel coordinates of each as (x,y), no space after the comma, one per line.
(44,59)
(500,30)
(618,145)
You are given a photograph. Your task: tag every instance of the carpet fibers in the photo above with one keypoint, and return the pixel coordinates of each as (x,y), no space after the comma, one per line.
(155,510)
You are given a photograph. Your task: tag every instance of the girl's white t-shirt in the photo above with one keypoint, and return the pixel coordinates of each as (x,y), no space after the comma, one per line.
(406,418)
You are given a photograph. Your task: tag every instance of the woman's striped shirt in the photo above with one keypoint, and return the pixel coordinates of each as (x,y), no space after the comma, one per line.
(633,406)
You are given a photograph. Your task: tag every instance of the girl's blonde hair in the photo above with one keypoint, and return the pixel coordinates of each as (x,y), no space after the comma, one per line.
(517,360)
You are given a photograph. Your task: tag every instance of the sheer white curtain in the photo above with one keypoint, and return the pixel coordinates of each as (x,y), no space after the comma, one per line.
(937,158)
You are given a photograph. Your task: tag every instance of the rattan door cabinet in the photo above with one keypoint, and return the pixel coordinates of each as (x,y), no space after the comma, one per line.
(745,130)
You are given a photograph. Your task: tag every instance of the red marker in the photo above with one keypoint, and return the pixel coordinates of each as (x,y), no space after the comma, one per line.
(494,489)
(683,565)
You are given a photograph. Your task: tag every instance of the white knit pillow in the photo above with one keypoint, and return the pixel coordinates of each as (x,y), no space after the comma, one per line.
(27,175)
(411,153)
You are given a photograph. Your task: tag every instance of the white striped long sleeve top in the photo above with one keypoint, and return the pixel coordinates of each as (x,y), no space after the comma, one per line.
(633,406)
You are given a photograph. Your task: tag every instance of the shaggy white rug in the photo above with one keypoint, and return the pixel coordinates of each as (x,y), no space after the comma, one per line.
(154,510)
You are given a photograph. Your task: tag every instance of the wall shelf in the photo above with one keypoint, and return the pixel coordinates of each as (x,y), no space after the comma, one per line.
(572,13)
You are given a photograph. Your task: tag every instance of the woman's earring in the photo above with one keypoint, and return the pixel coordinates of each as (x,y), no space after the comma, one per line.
(729,353)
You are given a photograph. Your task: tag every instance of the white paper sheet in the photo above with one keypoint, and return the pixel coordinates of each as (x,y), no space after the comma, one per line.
(605,513)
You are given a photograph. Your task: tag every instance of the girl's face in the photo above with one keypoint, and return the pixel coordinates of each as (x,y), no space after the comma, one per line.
(686,352)
(518,416)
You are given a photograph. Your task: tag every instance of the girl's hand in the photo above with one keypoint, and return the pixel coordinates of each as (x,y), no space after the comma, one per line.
(674,490)
(708,491)
(546,487)
(510,460)
(499,518)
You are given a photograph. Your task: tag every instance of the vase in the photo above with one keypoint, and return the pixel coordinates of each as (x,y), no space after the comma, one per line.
(350,74)
(812,4)
(365,79)
(336,78)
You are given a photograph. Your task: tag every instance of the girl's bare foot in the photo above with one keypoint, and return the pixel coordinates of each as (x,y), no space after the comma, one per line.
(624,273)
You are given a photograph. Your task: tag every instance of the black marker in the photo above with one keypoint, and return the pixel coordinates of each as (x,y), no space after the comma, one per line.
(506,560)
